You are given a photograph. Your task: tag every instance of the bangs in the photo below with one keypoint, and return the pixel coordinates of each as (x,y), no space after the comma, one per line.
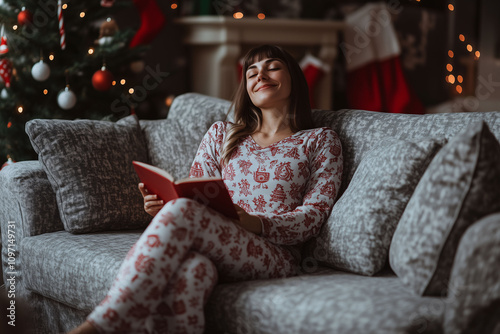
(261,53)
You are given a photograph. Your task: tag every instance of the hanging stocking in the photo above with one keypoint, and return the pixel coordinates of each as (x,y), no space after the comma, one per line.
(152,21)
(314,69)
(375,78)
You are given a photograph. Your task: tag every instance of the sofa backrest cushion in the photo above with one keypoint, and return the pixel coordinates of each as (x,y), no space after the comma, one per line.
(358,233)
(172,143)
(360,130)
(89,166)
(460,186)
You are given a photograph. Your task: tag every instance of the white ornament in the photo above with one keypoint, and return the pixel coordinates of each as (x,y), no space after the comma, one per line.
(40,71)
(105,40)
(66,99)
(4,94)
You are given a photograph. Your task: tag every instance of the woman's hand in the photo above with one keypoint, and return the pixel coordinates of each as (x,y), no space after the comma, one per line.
(151,203)
(247,221)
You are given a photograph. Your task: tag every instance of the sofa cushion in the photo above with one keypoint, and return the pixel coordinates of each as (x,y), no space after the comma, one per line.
(172,143)
(75,270)
(460,186)
(358,233)
(327,301)
(89,166)
(361,130)
(170,146)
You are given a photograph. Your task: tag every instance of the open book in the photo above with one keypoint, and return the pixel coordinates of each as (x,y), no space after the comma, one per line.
(210,191)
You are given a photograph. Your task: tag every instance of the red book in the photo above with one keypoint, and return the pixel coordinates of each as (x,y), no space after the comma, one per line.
(210,191)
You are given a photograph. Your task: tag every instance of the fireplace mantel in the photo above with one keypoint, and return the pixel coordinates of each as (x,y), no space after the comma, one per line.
(216,43)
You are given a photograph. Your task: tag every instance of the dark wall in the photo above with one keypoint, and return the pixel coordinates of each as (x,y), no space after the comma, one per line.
(424,29)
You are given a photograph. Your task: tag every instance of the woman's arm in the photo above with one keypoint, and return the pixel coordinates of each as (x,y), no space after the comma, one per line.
(305,221)
(207,159)
(249,222)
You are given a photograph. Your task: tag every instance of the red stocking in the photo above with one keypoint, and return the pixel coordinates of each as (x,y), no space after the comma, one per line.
(152,21)
(313,69)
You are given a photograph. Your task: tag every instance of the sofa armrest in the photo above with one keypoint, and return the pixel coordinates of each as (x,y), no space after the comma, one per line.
(28,206)
(473,302)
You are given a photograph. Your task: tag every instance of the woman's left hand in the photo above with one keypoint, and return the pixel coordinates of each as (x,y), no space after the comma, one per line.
(247,221)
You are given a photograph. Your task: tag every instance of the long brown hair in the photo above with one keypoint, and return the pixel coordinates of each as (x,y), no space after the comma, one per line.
(248,117)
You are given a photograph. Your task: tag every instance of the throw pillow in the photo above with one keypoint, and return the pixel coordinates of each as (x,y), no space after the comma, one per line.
(170,146)
(460,186)
(358,233)
(89,165)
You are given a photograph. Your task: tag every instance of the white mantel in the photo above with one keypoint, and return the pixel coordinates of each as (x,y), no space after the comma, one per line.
(216,43)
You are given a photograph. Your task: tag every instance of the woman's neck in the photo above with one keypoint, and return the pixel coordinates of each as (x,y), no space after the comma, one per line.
(274,122)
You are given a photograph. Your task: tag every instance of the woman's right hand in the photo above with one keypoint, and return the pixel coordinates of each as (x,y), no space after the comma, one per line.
(152,205)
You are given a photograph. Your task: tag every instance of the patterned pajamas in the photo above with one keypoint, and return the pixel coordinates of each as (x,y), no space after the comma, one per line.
(167,277)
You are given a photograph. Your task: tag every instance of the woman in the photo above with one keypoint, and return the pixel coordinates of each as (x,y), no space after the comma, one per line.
(283,177)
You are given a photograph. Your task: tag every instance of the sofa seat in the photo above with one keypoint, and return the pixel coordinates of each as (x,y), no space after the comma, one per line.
(76,270)
(328,301)
(356,303)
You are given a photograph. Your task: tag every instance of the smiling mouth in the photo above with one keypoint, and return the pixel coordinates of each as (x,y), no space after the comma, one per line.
(264,87)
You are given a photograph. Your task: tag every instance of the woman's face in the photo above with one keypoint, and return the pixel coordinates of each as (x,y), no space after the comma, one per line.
(269,83)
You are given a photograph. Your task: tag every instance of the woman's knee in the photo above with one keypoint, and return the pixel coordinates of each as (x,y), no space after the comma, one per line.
(182,206)
(201,268)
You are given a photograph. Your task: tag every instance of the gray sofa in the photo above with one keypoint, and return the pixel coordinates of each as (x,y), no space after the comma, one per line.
(63,275)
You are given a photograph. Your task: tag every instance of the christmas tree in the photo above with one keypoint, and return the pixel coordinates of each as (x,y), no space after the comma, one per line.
(60,59)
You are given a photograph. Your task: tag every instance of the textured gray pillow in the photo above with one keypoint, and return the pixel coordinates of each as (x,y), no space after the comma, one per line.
(89,165)
(460,186)
(171,146)
(358,233)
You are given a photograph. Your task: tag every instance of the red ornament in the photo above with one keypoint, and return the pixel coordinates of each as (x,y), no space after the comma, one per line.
(102,80)
(24,17)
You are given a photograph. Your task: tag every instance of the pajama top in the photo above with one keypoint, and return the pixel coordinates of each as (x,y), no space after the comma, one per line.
(290,185)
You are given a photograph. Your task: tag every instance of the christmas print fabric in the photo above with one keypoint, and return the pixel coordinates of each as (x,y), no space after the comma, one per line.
(291,185)
(166,278)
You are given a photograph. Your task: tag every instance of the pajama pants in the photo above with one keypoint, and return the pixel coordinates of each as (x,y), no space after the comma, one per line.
(168,275)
